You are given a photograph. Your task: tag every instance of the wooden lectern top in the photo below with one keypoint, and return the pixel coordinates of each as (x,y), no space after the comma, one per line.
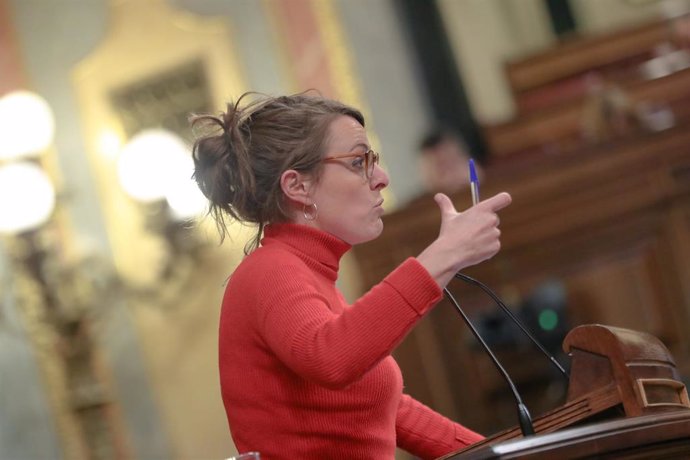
(648,437)
(638,365)
(623,376)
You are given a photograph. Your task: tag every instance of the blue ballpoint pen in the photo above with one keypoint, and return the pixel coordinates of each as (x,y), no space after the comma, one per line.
(474,183)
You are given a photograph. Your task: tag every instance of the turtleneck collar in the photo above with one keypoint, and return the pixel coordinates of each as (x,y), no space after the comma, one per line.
(320,250)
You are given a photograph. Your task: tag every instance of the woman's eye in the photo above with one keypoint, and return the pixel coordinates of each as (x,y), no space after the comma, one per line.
(358,162)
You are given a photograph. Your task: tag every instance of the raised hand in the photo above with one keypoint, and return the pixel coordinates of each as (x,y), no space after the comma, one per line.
(465,238)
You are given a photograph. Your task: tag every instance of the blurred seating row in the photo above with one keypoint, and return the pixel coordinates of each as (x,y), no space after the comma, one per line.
(648,67)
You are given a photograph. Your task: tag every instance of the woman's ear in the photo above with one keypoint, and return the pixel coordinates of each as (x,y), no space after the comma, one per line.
(296,186)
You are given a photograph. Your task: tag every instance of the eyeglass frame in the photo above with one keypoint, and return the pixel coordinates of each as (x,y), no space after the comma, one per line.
(369,154)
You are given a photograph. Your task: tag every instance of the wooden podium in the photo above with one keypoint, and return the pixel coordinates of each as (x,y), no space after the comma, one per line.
(625,401)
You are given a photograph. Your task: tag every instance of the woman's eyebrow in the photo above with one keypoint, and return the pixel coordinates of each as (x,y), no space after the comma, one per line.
(360,144)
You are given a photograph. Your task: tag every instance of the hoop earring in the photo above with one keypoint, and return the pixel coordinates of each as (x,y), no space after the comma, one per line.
(308,214)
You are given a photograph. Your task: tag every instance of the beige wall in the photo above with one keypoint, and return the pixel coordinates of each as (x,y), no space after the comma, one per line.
(595,16)
(485,34)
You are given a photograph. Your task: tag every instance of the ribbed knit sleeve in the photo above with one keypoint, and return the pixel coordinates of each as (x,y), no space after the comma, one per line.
(330,346)
(428,434)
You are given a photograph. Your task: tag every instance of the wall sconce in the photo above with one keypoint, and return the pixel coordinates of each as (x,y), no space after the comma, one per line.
(58,297)
(155,169)
(55,296)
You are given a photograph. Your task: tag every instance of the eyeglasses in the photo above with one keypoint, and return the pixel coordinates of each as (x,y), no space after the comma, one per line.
(365,161)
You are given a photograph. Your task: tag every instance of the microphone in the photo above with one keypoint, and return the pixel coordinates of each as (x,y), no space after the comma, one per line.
(524,418)
(515,320)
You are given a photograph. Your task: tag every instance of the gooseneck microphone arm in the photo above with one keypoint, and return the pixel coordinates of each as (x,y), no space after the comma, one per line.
(524,418)
(514,318)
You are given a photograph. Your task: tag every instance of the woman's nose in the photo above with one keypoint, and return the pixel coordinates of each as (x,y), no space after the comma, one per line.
(379,179)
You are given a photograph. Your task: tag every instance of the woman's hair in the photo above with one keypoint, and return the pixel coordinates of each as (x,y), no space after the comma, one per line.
(239,160)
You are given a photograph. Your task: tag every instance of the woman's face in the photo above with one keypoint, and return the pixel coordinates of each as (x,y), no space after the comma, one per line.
(349,203)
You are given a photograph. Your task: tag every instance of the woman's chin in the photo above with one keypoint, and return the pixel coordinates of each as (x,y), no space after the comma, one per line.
(363,233)
(374,232)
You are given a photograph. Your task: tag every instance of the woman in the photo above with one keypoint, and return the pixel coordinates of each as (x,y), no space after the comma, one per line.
(303,375)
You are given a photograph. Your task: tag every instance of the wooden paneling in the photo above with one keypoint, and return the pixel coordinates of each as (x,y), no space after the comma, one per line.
(580,55)
(609,222)
(612,224)
(558,130)
(560,73)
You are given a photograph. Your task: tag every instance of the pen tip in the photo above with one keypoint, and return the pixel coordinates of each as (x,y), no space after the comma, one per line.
(473,171)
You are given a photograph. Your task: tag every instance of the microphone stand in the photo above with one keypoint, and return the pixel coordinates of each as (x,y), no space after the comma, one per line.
(524,418)
(515,320)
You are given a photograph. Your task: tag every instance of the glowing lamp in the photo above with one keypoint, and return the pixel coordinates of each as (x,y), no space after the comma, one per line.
(27,197)
(144,165)
(182,194)
(27,124)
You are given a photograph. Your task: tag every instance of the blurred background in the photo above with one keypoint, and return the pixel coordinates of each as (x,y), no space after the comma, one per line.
(111,278)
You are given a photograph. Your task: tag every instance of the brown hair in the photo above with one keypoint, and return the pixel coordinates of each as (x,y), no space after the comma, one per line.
(239,161)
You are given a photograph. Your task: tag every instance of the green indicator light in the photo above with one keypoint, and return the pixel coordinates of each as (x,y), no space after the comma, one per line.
(548,320)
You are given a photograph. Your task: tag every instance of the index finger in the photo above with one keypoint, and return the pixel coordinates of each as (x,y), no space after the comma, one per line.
(497,202)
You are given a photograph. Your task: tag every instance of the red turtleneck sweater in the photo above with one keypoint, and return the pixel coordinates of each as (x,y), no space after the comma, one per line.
(306,376)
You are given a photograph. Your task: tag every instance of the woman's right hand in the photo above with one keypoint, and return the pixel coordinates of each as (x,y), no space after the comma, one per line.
(465,238)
